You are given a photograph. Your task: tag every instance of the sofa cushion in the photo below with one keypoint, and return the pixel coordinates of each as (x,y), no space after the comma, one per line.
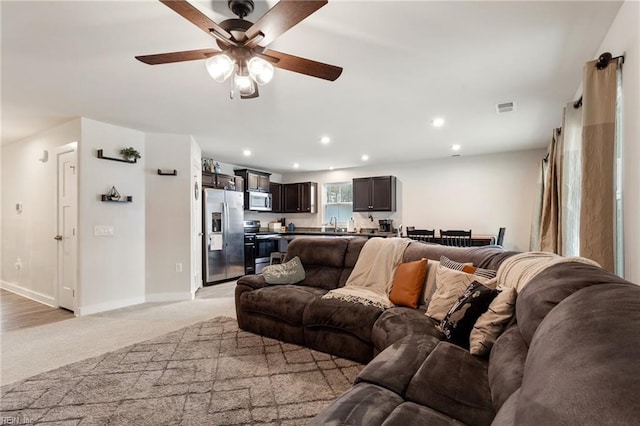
(354,318)
(407,283)
(506,365)
(396,323)
(550,287)
(582,366)
(408,414)
(323,260)
(363,404)
(454,382)
(507,414)
(285,302)
(491,323)
(457,324)
(289,272)
(394,367)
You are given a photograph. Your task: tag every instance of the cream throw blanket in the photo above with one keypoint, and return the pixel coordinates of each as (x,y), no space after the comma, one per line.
(517,271)
(372,277)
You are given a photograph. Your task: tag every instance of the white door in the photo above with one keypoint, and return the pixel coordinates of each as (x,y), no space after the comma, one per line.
(67,224)
(196,227)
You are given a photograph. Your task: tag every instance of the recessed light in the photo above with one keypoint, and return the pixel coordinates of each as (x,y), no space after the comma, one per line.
(365,157)
(325,140)
(437,122)
(296,165)
(330,167)
(246,152)
(456,147)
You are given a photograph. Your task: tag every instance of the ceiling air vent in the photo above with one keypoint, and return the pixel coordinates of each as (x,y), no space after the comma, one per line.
(505,107)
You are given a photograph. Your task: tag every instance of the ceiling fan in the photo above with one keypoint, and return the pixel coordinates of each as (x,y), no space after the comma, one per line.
(242,44)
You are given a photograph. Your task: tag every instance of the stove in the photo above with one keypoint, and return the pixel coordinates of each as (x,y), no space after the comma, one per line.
(258,247)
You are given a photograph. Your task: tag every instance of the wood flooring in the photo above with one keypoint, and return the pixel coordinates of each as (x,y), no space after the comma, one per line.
(18,312)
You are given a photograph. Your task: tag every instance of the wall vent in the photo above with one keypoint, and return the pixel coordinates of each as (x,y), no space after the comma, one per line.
(505,107)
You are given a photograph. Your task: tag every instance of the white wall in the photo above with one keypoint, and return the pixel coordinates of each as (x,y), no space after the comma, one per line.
(624,38)
(168,217)
(27,237)
(481,193)
(111,269)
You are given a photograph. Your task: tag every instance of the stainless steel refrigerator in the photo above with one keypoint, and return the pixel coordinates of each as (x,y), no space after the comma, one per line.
(224,235)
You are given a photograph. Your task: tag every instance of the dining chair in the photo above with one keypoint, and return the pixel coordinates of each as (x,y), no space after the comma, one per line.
(500,238)
(422,235)
(455,238)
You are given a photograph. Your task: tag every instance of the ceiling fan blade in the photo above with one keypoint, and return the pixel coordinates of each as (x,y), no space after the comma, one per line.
(167,58)
(304,66)
(281,17)
(197,18)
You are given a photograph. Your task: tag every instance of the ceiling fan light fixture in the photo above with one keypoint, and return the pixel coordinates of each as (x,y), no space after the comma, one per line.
(220,67)
(260,70)
(244,84)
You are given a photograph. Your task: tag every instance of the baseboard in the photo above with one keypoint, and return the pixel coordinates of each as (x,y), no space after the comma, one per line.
(109,306)
(169,297)
(29,294)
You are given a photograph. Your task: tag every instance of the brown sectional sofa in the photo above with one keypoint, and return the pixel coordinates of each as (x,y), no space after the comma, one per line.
(571,356)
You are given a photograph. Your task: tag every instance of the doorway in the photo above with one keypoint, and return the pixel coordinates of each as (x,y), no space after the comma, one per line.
(67,212)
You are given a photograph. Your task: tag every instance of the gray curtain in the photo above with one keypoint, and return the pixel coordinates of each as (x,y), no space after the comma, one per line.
(597,211)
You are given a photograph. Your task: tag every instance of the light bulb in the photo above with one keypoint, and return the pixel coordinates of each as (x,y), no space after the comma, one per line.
(260,70)
(219,67)
(244,84)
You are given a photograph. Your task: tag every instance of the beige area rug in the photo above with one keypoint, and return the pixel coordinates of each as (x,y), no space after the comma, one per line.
(210,373)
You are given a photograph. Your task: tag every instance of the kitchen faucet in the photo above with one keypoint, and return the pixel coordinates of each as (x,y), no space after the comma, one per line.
(334,221)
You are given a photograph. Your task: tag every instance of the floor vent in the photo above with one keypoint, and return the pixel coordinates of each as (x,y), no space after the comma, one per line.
(505,107)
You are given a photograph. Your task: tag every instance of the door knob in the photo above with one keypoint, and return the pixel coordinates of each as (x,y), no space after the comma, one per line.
(58,237)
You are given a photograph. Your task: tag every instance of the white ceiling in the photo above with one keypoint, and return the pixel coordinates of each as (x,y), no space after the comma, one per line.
(404,64)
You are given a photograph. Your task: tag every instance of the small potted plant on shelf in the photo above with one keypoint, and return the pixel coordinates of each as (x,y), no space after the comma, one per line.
(130,154)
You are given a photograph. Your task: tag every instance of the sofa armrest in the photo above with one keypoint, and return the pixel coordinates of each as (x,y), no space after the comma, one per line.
(395,366)
(254,282)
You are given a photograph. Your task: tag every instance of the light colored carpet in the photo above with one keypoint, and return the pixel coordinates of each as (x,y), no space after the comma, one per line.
(208,373)
(30,351)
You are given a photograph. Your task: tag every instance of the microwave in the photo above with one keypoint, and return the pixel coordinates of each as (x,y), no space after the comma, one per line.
(257,201)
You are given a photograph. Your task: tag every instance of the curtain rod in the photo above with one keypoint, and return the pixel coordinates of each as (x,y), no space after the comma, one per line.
(603,62)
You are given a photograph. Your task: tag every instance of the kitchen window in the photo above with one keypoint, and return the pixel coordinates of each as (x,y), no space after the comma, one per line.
(338,202)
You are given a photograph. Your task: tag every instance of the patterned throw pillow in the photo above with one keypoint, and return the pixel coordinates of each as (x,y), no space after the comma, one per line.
(492,323)
(450,284)
(457,324)
(468,268)
(407,283)
(290,272)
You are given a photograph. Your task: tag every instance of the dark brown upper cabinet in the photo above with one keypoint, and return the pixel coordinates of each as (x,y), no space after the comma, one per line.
(300,197)
(276,197)
(254,180)
(374,194)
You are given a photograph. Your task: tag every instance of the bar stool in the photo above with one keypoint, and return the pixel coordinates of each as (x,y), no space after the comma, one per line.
(276,255)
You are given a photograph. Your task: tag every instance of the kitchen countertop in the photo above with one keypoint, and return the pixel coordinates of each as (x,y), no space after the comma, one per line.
(367,232)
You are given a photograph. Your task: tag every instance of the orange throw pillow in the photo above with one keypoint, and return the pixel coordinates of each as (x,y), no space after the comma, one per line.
(408,283)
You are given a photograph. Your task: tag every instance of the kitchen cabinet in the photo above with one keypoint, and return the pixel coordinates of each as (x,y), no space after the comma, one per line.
(374,194)
(219,181)
(276,197)
(254,180)
(300,197)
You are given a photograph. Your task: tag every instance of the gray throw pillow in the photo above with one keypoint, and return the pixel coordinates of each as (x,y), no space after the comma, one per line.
(290,272)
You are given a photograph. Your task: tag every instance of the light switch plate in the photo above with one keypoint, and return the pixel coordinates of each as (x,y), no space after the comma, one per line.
(103,231)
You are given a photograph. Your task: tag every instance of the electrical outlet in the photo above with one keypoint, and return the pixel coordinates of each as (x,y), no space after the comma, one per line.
(178,267)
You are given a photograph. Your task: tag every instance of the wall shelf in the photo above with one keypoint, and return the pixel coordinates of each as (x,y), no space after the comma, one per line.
(100,155)
(107,198)
(173,173)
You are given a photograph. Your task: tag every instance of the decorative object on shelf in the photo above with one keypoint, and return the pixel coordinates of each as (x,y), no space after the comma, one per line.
(130,154)
(216,167)
(173,173)
(113,194)
(207,165)
(101,156)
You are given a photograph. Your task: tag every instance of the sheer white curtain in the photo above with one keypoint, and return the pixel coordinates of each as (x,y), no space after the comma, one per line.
(572,178)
